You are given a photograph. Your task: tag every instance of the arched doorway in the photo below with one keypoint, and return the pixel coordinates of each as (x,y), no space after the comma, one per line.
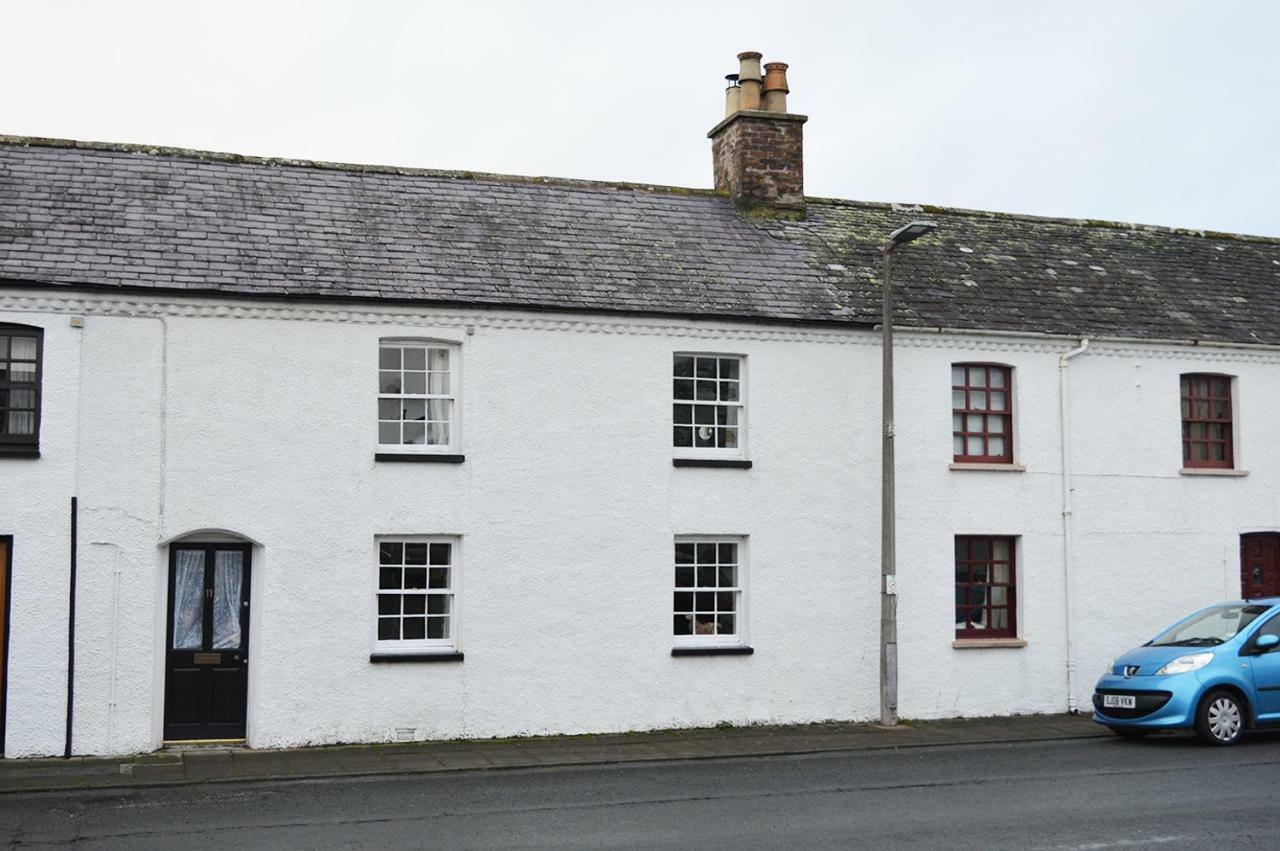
(1260,565)
(207,640)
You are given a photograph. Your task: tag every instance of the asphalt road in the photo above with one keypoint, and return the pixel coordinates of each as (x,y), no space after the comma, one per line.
(1086,794)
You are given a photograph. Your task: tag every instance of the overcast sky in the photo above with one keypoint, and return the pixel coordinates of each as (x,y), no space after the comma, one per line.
(1157,112)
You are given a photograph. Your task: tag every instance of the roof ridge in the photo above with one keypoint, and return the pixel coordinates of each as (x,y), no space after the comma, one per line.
(331,165)
(462,174)
(1000,215)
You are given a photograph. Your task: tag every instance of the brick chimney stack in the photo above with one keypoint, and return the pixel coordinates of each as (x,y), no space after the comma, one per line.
(758,149)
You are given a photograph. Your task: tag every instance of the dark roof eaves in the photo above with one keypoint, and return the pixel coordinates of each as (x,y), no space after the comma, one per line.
(752,319)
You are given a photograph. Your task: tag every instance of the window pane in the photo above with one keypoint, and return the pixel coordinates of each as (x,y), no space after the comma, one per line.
(415,359)
(391,553)
(415,628)
(997,378)
(975,422)
(415,434)
(725,625)
(389,382)
(682,437)
(22,373)
(978,400)
(389,433)
(995,425)
(727,438)
(1000,573)
(998,402)
(388,604)
(389,577)
(999,550)
(22,422)
(704,601)
(415,577)
(682,413)
(415,604)
(704,414)
(684,577)
(415,382)
(414,409)
(388,409)
(682,388)
(683,366)
(726,415)
(441,553)
(957,376)
(228,575)
(415,553)
(682,625)
(727,553)
(704,436)
(957,445)
(388,629)
(438,604)
(706,576)
(706,553)
(725,601)
(729,368)
(438,383)
(728,577)
(729,391)
(957,398)
(705,367)
(995,446)
(705,391)
(438,577)
(440,410)
(684,553)
(999,618)
(975,446)
(438,627)
(389,358)
(682,601)
(439,360)
(188,600)
(977,376)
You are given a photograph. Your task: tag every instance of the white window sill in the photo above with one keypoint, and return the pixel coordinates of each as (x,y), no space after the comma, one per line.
(990,468)
(984,643)
(1212,471)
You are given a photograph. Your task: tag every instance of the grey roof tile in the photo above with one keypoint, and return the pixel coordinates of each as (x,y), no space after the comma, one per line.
(80,214)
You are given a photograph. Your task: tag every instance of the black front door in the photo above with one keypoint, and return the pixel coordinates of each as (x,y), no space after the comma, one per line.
(207,642)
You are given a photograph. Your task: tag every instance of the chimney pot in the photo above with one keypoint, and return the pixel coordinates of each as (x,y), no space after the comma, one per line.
(749,78)
(732,95)
(775,87)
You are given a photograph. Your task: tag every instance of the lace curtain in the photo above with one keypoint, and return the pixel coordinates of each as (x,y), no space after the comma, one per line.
(228,574)
(188,601)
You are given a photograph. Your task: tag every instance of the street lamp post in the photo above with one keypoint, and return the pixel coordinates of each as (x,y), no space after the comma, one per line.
(888,520)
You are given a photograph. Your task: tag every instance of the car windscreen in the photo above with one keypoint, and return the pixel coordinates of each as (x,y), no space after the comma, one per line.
(1210,627)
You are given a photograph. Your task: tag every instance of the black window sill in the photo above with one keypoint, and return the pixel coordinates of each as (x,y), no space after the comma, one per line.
(380,658)
(19,451)
(712,651)
(728,463)
(420,457)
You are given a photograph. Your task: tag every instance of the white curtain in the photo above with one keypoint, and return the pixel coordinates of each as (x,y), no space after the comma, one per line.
(188,601)
(228,574)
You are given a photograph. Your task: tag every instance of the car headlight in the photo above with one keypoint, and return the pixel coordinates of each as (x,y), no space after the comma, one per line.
(1184,664)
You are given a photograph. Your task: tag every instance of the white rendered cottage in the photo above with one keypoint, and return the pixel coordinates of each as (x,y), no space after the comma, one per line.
(299,453)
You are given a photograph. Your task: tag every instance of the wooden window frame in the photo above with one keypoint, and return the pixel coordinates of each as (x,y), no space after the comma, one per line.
(720,410)
(966,628)
(969,400)
(1220,389)
(453,397)
(448,644)
(738,591)
(22,445)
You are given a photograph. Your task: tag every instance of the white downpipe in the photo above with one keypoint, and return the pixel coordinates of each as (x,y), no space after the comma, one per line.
(1064,430)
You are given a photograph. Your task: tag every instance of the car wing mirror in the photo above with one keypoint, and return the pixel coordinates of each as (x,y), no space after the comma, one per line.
(1266,643)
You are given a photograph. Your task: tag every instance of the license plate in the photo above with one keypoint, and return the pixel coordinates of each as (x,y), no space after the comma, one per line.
(1119,701)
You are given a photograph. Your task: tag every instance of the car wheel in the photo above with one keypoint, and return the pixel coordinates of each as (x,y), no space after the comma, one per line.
(1220,718)
(1130,733)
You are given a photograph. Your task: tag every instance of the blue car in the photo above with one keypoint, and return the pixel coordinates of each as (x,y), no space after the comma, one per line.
(1216,672)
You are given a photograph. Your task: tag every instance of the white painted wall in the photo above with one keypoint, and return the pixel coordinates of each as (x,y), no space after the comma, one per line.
(257,418)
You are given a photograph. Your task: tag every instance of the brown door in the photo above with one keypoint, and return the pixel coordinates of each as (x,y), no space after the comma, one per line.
(1260,565)
(207,642)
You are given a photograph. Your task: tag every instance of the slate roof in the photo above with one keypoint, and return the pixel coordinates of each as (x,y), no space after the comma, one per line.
(85,215)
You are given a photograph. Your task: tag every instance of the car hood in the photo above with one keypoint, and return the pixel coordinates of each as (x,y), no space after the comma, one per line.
(1151,659)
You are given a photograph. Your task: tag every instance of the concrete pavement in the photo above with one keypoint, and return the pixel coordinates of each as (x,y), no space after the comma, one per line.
(223,765)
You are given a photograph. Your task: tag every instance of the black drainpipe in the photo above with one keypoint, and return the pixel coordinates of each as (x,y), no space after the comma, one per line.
(71,633)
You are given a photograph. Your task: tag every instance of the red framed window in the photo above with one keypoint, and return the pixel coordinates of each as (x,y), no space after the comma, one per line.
(1206,421)
(986,587)
(982,413)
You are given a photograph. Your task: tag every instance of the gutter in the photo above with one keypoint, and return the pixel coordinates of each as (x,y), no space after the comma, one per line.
(1064,399)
